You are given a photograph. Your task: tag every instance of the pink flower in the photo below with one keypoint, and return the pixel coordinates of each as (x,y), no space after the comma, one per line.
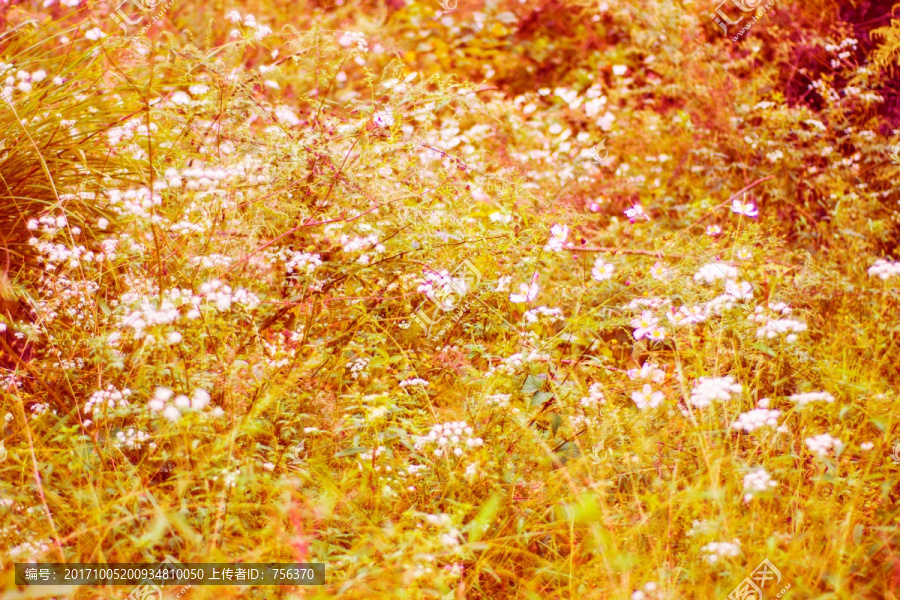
(636,212)
(747,209)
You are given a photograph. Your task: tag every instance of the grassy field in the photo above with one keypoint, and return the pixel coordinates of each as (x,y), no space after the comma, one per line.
(526,300)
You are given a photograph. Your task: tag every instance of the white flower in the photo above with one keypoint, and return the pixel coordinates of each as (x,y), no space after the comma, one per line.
(171,413)
(174,338)
(758,481)
(660,272)
(636,212)
(602,270)
(234,16)
(558,235)
(527,293)
(717,550)
(866,446)
(102,223)
(647,371)
(884,269)
(708,389)
(822,443)
(741,291)
(94,34)
(807,397)
(713,230)
(747,209)
(752,420)
(647,397)
(286,115)
(200,399)
(711,272)
(619,70)
(383,118)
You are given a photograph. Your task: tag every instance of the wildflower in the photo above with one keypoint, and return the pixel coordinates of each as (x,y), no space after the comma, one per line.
(558,235)
(711,272)
(647,397)
(806,398)
(647,370)
(416,381)
(657,334)
(636,212)
(658,271)
(884,269)
(619,70)
(595,396)
(708,389)
(717,550)
(383,118)
(527,293)
(602,270)
(102,223)
(821,444)
(866,446)
(94,34)
(744,254)
(758,481)
(747,209)
(752,420)
(713,230)
(644,324)
(741,291)
(286,115)
(234,16)
(174,338)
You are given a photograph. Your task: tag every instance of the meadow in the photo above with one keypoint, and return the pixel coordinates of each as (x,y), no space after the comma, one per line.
(533,300)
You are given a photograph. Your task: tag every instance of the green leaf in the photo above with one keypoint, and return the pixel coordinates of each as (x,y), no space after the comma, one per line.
(540,398)
(351,451)
(533,383)
(555,422)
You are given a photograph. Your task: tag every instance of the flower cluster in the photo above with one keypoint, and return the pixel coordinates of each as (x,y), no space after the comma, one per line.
(822,443)
(716,550)
(807,397)
(647,326)
(558,235)
(552,315)
(772,327)
(758,481)
(884,269)
(752,420)
(172,407)
(216,292)
(708,389)
(595,396)
(712,272)
(133,439)
(109,398)
(455,437)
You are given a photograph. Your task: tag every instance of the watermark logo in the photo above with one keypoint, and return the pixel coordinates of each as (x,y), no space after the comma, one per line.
(751,588)
(449,5)
(447,293)
(594,152)
(723,21)
(895,454)
(599,454)
(895,154)
(141,9)
(297,454)
(151,591)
